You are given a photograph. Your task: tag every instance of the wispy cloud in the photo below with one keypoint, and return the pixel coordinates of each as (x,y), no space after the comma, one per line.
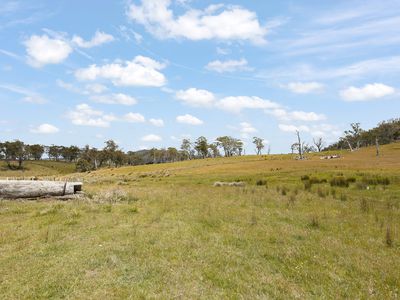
(361,69)
(10,54)
(348,27)
(29,96)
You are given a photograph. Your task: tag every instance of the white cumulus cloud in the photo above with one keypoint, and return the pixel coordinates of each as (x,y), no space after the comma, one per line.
(134,118)
(141,71)
(367,92)
(227,66)
(98,39)
(215,22)
(293,128)
(189,119)
(84,115)
(157,122)
(96,88)
(114,99)
(283,114)
(152,138)
(246,129)
(237,104)
(45,129)
(305,87)
(44,50)
(196,97)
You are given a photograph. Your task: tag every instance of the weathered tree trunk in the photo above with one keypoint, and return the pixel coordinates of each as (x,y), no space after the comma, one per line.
(300,148)
(377,146)
(348,143)
(33,189)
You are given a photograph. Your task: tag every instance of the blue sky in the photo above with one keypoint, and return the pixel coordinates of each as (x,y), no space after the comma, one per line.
(148,73)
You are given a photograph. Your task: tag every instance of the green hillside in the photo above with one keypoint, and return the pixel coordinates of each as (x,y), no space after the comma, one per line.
(38,168)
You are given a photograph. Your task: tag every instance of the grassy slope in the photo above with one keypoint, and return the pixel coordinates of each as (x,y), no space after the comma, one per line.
(38,168)
(165,231)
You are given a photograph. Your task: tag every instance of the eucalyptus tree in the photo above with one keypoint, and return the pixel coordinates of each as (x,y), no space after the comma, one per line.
(201,146)
(259,143)
(186,146)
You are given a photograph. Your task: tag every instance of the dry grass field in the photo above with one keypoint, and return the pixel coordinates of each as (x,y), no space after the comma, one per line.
(297,229)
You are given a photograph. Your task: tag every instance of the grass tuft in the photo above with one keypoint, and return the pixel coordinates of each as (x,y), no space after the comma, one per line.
(339,181)
(388,237)
(314,222)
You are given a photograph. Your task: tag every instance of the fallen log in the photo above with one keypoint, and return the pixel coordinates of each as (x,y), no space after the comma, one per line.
(33,189)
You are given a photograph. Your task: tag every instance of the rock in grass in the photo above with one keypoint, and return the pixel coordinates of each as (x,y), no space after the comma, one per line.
(235,183)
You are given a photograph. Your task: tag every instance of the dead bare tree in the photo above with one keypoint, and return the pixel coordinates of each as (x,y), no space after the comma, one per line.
(348,143)
(377,146)
(299,145)
(319,143)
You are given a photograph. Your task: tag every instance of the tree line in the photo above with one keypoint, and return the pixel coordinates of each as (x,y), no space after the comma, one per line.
(17,151)
(355,137)
(14,153)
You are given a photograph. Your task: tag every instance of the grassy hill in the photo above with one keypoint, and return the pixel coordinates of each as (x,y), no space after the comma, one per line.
(298,229)
(38,168)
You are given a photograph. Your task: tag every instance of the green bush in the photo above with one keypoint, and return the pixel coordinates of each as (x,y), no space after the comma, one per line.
(261,182)
(351,179)
(376,180)
(305,177)
(83,165)
(339,181)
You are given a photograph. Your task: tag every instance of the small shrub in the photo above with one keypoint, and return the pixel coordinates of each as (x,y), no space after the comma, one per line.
(388,237)
(314,180)
(351,179)
(132,199)
(339,181)
(132,210)
(292,199)
(321,193)
(364,205)
(343,197)
(261,182)
(314,223)
(284,191)
(111,197)
(107,208)
(305,177)
(361,185)
(376,180)
(333,193)
(307,186)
